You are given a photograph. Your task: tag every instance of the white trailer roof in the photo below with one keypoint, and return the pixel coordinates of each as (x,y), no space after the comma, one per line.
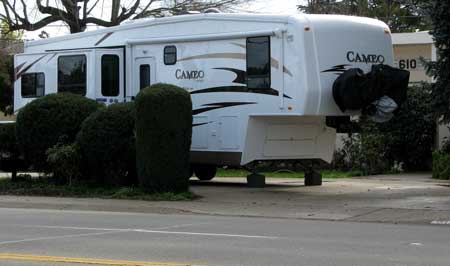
(141,23)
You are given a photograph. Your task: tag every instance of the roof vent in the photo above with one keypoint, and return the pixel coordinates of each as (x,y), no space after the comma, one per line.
(212,10)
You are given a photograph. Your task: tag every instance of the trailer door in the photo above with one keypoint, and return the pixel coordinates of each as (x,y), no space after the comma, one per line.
(145,73)
(110,75)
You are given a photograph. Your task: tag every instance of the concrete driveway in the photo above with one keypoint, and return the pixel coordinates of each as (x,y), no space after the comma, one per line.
(406,198)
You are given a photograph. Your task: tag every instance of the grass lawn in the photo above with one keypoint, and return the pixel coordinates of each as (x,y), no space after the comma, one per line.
(42,187)
(285,174)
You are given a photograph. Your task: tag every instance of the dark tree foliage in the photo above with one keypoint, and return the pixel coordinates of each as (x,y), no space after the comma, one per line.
(440,70)
(163,138)
(407,139)
(409,136)
(400,15)
(49,120)
(6,85)
(108,146)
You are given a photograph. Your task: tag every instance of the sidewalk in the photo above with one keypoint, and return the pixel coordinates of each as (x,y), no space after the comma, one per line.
(409,198)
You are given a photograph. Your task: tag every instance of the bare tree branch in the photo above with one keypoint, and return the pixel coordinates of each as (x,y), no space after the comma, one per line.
(76,14)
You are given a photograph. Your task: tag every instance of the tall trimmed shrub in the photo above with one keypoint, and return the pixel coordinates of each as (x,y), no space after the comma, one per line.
(48,120)
(163,138)
(107,145)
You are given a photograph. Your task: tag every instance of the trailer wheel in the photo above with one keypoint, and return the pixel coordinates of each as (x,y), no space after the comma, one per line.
(205,172)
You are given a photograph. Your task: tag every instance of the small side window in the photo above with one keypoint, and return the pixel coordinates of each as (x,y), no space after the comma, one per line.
(33,85)
(110,75)
(170,55)
(144,76)
(258,63)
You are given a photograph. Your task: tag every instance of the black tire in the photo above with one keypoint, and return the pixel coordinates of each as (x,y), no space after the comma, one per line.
(205,172)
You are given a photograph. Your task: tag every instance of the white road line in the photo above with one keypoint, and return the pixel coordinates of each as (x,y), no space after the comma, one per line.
(79,228)
(203,234)
(441,222)
(55,237)
(156,231)
(177,226)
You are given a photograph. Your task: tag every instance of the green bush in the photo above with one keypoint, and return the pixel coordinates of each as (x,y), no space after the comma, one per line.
(44,121)
(107,144)
(9,151)
(163,138)
(441,165)
(405,142)
(64,162)
(8,142)
(362,152)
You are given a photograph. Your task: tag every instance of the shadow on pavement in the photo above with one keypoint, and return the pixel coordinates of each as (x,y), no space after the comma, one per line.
(243,184)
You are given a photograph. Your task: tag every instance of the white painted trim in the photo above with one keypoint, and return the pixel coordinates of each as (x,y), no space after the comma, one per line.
(206,37)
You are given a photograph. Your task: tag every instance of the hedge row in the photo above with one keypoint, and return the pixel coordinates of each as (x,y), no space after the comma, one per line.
(75,138)
(44,122)
(107,144)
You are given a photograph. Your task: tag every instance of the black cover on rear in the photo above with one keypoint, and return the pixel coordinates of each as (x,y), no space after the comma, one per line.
(354,90)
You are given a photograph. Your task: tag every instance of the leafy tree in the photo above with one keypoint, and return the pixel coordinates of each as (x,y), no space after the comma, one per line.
(440,13)
(6,87)
(400,15)
(6,68)
(77,14)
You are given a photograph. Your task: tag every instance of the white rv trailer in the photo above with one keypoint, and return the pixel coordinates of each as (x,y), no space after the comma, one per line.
(261,85)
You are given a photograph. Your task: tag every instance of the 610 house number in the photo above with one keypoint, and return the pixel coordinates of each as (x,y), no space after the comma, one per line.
(407,64)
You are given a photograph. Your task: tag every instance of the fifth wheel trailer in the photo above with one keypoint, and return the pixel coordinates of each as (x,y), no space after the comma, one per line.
(261,85)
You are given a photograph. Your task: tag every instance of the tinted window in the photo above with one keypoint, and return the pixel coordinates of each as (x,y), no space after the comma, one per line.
(258,63)
(170,55)
(33,85)
(144,76)
(110,75)
(72,74)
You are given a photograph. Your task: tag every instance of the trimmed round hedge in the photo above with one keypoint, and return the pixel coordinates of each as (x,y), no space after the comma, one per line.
(163,138)
(8,142)
(107,144)
(47,120)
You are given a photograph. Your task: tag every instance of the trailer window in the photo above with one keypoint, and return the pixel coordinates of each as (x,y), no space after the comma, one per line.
(258,63)
(72,74)
(110,75)
(170,55)
(33,85)
(144,76)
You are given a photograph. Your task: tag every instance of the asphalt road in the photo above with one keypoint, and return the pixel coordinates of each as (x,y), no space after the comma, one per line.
(213,240)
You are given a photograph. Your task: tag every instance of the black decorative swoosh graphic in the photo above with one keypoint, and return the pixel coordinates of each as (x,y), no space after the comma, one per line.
(200,124)
(241,75)
(214,106)
(18,75)
(243,89)
(103,38)
(337,69)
